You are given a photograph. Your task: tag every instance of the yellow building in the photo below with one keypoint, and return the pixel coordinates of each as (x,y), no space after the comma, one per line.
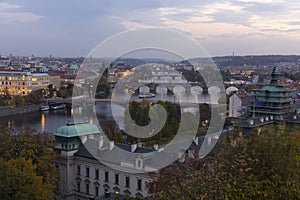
(15,83)
(40,81)
(22,83)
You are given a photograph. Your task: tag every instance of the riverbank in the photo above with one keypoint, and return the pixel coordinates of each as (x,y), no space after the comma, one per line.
(16,110)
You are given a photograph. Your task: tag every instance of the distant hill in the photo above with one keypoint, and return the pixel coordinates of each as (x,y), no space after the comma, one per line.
(254,60)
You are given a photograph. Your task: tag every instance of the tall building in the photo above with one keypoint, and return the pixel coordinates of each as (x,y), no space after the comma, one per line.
(274,99)
(273,104)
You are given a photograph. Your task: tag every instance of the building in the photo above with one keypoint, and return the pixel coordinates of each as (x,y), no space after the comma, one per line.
(84,176)
(55,79)
(88,165)
(40,81)
(274,99)
(22,83)
(273,104)
(238,104)
(15,83)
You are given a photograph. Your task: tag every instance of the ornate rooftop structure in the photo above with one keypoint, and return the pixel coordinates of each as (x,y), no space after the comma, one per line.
(274,99)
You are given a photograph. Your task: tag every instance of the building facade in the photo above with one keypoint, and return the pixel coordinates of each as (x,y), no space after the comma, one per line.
(85,177)
(40,81)
(238,104)
(274,99)
(93,168)
(15,83)
(22,83)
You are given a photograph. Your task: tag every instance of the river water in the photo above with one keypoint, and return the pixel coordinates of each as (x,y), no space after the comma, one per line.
(49,121)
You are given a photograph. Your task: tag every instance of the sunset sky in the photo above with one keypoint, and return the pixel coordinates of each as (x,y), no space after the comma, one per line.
(74,28)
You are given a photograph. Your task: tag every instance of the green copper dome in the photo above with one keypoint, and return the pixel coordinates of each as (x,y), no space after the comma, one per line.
(74,67)
(75,130)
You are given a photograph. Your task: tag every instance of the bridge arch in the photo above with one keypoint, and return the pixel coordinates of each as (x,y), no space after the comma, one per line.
(231,89)
(214,90)
(178,90)
(144,89)
(196,90)
(161,89)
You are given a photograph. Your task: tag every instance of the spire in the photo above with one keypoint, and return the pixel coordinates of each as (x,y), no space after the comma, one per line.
(275,76)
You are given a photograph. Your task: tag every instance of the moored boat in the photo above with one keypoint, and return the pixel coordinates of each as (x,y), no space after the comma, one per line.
(44,108)
(57,107)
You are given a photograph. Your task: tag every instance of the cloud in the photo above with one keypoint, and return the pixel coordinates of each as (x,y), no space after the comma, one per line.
(231,17)
(11,14)
(8,6)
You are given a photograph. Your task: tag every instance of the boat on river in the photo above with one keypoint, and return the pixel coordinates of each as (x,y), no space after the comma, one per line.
(57,107)
(44,108)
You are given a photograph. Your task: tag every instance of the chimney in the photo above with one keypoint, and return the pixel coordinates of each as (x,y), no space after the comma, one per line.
(111,145)
(133,147)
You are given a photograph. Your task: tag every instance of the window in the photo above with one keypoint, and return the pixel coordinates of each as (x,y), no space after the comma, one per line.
(106,177)
(139,184)
(127,182)
(78,186)
(117,179)
(87,187)
(97,174)
(87,172)
(96,191)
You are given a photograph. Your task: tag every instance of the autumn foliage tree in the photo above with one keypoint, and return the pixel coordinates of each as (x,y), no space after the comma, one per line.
(264,166)
(29,155)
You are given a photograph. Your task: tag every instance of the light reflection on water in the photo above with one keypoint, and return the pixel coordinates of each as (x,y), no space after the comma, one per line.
(49,121)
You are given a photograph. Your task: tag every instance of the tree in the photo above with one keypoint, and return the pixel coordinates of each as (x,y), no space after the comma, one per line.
(103,87)
(19,100)
(18,180)
(140,113)
(38,148)
(265,166)
(34,97)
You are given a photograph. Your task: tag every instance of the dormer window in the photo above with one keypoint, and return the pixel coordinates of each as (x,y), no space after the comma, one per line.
(139,163)
(261,120)
(251,122)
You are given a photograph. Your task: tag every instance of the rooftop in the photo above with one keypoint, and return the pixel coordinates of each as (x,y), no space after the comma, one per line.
(75,130)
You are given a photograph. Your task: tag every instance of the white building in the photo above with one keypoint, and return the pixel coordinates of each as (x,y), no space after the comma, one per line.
(85,177)
(238,104)
(88,165)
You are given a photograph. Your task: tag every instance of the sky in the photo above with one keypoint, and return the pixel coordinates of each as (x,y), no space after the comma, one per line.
(70,28)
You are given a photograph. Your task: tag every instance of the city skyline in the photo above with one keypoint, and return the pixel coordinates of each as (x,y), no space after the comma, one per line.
(71,29)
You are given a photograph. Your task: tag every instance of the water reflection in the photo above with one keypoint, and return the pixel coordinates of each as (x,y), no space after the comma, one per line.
(49,121)
(43,123)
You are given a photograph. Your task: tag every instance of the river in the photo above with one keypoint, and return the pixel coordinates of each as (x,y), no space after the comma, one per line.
(49,121)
